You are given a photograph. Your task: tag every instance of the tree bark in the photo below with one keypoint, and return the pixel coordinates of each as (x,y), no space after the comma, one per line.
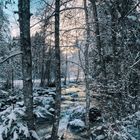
(98,43)
(54,135)
(12,79)
(42,79)
(86,71)
(25,42)
(43,65)
(113,42)
(66,70)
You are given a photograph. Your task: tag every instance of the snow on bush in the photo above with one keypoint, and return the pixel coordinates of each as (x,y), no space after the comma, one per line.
(78,113)
(44,108)
(41,112)
(127,129)
(45,92)
(41,100)
(77,122)
(76,125)
(12,126)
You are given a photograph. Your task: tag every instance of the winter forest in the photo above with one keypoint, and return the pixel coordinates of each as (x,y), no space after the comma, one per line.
(69,69)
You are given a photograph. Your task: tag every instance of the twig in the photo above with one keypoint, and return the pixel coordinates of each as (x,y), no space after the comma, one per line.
(12,55)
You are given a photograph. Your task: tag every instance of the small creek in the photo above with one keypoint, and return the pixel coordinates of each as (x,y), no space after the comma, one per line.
(72,96)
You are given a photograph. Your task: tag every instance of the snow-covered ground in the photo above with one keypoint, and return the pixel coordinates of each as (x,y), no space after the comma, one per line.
(68,105)
(36,82)
(72,111)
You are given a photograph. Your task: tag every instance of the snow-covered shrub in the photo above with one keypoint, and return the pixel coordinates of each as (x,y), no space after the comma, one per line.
(44,92)
(78,113)
(42,101)
(44,108)
(76,125)
(12,126)
(43,114)
(127,129)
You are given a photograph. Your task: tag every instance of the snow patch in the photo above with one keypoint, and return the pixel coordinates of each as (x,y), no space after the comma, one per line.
(132,17)
(77,122)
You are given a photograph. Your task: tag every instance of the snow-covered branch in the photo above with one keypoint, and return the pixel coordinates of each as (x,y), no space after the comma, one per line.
(10,56)
(135,63)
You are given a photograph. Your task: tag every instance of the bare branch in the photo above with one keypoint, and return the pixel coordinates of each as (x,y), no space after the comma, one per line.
(10,56)
(73,63)
(53,14)
(135,63)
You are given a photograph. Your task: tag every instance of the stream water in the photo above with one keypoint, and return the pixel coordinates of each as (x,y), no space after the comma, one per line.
(68,103)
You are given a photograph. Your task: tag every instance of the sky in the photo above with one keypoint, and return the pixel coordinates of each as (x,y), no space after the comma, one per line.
(9,10)
(13,18)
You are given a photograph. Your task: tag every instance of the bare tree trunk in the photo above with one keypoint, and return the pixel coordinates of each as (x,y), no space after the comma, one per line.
(54,135)
(47,71)
(43,68)
(66,70)
(98,42)
(8,76)
(113,42)
(86,71)
(12,79)
(42,82)
(25,42)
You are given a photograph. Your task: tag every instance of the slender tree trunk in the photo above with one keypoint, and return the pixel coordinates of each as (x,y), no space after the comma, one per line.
(43,69)
(25,42)
(54,135)
(97,32)
(42,82)
(86,71)
(48,71)
(98,42)
(12,79)
(66,70)
(114,39)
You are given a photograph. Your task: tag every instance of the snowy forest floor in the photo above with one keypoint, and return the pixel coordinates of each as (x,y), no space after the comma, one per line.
(72,119)
(73,96)
(72,110)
